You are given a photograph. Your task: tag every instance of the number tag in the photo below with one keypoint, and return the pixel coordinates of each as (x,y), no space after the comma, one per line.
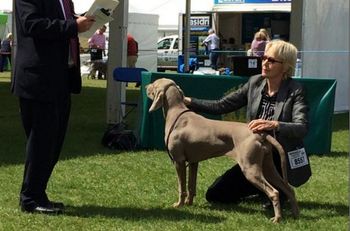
(297,158)
(252,63)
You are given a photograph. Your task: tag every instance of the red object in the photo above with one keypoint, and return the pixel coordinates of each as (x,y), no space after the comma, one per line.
(132,46)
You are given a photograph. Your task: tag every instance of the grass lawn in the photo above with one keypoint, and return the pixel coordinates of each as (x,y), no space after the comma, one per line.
(111,190)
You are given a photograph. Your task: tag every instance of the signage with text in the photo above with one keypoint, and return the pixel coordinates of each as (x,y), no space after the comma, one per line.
(199,27)
(250,1)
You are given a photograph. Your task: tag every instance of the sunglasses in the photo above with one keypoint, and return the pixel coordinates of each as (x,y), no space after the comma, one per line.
(270,60)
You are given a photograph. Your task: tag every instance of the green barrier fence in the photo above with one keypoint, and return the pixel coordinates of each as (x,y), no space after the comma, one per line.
(3,18)
(320,97)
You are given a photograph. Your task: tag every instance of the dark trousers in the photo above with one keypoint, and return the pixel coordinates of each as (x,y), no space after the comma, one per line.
(45,125)
(213,56)
(96,54)
(3,61)
(232,186)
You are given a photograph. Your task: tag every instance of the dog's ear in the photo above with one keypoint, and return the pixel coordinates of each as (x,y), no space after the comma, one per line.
(180,90)
(157,101)
(150,91)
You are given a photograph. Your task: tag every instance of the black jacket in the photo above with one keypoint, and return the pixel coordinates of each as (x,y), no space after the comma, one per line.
(42,48)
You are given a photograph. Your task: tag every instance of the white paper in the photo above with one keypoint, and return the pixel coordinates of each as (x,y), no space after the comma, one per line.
(252,63)
(102,10)
(297,158)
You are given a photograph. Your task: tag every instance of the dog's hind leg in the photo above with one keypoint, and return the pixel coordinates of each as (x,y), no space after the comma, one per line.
(192,183)
(181,180)
(254,174)
(272,176)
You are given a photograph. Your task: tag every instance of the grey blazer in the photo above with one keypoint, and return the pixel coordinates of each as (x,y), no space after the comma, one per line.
(291,111)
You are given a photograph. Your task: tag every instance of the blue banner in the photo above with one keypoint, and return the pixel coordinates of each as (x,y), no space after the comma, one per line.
(250,1)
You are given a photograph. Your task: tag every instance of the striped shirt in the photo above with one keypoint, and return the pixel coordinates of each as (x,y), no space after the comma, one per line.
(267,106)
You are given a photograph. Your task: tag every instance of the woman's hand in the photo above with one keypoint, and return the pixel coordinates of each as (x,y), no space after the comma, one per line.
(263,125)
(187,101)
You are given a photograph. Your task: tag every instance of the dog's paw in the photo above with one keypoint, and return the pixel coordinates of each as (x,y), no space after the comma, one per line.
(275,219)
(178,204)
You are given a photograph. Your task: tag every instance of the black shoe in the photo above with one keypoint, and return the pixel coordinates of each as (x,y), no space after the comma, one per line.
(57,205)
(42,210)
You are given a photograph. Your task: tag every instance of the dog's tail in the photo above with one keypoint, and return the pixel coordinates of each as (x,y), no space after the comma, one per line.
(282,154)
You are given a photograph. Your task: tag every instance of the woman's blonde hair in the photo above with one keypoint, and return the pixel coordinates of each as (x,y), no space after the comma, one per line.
(9,35)
(260,36)
(266,33)
(286,52)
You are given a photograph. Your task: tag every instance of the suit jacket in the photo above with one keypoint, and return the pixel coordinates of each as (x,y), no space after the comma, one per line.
(291,111)
(41,59)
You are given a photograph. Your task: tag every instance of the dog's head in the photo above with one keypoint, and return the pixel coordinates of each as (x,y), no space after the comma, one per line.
(156,92)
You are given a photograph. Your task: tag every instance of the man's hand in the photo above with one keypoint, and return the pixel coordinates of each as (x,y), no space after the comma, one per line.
(263,125)
(85,23)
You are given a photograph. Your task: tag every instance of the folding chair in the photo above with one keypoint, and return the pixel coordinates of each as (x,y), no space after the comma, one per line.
(128,75)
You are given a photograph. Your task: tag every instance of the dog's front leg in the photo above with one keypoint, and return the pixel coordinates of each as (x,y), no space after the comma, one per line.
(181,180)
(192,183)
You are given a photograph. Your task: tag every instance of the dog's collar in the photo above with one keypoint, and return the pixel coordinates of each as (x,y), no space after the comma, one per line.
(171,130)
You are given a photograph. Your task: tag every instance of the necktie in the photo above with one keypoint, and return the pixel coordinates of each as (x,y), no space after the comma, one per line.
(73,42)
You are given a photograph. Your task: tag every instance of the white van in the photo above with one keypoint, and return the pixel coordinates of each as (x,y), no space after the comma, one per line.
(167,53)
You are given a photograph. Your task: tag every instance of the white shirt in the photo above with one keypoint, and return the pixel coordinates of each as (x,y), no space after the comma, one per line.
(213,40)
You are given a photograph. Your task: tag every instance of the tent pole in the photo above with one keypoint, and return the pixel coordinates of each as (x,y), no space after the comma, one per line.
(187,36)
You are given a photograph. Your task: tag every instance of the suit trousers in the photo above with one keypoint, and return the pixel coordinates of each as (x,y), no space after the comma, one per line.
(232,186)
(45,125)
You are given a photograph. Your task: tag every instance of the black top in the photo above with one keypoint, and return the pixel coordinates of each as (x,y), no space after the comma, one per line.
(5,46)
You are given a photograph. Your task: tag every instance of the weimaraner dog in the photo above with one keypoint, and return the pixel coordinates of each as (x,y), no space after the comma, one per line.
(191,138)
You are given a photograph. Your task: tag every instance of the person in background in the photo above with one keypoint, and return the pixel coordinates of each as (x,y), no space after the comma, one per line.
(97,45)
(213,44)
(46,72)
(275,103)
(133,50)
(5,51)
(266,33)
(258,44)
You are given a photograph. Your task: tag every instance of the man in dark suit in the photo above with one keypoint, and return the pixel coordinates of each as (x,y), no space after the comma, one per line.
(46,72)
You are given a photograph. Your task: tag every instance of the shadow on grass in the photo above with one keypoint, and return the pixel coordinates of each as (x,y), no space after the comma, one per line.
(324,209)
(332,154)
(340,122)
(246,206)
(129,213)
(328,209)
